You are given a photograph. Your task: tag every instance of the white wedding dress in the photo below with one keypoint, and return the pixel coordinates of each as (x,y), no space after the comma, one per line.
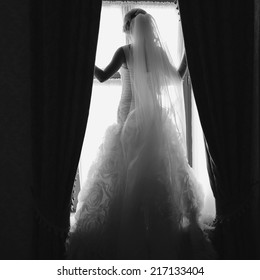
(141,199)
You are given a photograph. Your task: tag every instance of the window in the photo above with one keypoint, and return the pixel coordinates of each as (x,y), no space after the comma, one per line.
(106,96)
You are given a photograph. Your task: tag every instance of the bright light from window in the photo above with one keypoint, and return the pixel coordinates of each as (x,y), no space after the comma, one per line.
(200,163)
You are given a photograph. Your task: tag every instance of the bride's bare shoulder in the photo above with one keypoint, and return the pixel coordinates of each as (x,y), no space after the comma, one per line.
(126,47)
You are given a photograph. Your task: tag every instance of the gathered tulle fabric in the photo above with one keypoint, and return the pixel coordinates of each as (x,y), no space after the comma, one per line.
(139,217)
(141,199)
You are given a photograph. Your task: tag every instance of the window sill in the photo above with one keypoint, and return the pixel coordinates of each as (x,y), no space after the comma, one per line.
(111,81)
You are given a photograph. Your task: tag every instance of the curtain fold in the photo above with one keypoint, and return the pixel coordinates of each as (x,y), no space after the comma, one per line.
(222,45)
(63,46)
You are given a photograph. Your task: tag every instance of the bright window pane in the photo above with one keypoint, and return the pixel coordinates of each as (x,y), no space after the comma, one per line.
(105,97)
(111,35)
(200,164)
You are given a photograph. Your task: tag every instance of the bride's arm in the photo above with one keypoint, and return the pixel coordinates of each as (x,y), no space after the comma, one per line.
(116,62)
(169,69)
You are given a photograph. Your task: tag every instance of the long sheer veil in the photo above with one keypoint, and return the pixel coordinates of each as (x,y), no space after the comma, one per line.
(155,81)
(153,136)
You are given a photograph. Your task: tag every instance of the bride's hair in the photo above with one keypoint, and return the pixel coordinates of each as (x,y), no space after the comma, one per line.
(129,17)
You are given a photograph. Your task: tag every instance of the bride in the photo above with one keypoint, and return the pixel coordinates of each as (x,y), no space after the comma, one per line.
(141,199)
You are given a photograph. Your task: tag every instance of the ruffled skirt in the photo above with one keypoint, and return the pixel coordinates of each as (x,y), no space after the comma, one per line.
(141,200)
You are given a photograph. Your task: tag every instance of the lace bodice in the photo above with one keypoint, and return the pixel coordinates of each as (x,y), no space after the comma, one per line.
(126,101)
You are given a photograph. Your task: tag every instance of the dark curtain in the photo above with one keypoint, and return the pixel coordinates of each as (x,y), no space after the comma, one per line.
(222,44)
(63,46)
(15,136)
